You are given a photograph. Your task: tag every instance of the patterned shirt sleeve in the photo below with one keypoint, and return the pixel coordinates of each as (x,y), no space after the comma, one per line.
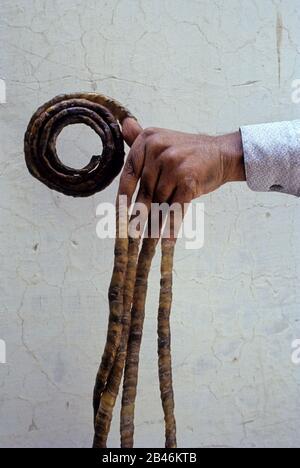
(272,157)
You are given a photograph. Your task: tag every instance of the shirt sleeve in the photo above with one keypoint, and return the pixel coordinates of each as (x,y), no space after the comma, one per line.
(272,157)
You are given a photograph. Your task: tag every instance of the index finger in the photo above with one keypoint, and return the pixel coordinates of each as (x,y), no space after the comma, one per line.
(131,129)
(133,169)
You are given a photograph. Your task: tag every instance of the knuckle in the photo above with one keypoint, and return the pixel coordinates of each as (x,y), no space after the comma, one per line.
(129,169)
(148,132)
(170,156)
(154,142)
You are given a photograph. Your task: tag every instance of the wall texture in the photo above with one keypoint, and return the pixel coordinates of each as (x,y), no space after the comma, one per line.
(200,66)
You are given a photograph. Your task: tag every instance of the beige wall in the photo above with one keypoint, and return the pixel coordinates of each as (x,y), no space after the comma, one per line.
(200,66)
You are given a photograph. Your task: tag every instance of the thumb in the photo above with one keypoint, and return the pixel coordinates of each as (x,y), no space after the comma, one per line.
(131,129)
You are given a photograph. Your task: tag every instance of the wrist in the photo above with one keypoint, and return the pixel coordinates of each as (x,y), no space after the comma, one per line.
(232,155)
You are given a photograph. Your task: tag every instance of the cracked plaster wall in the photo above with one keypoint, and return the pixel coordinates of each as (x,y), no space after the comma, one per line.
(200,66)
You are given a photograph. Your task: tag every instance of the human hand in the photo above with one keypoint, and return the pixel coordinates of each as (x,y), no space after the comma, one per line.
(177,167)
